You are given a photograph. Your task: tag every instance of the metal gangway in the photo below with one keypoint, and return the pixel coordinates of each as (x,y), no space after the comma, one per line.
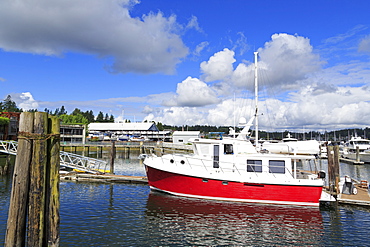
(68,160)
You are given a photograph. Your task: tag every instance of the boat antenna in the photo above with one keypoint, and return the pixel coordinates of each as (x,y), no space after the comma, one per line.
(256,98)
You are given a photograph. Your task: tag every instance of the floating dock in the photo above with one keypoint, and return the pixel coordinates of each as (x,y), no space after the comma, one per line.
(352,162)
(103,178)
(362,198)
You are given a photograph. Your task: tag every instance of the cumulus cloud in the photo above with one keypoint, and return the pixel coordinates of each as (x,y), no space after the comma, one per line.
(149,44)
(219,66)
(288,59)
(314,99)
(341,107)
(192,92)
(25,101)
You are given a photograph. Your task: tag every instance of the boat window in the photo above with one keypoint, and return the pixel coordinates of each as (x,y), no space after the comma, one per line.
(216,156)
(276,166)
(228,149)
(254,165)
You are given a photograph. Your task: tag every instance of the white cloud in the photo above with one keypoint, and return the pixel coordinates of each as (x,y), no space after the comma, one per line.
(2,79)
(287,60)
(193,23)
(364,45)
(200,47)
(192,92)
(149,44)
(25,101)
(241,44)
(350,33)
(219,66)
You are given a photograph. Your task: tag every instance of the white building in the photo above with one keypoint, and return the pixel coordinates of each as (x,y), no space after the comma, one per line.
(148,130)
(184,136)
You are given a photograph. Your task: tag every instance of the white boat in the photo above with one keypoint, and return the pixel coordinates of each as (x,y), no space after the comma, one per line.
(233,169)
(291,145)
(350,148)
(123,138)
(138,138)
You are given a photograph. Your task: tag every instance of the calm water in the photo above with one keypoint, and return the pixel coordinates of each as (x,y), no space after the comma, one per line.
(130,215)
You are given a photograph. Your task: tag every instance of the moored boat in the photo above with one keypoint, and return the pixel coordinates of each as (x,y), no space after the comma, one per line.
(291,145)
(357,148)
(233,169)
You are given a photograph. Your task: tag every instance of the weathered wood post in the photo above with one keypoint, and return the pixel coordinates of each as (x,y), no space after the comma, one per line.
(36,210)
(112,156)
(333,169)
(16,226)
(52,188)
(35,183)
(336,167)
(357,154)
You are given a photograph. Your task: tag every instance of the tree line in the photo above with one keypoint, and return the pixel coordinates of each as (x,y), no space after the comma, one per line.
(76,117)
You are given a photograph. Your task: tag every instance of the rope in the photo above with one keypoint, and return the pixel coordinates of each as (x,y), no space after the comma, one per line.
(35,136)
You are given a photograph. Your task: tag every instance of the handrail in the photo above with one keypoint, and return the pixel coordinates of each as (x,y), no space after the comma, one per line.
(69,160)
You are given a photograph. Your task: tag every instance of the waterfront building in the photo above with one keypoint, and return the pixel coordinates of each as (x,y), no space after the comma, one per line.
(147,130)
(72,133)
(10,131)
(184,136)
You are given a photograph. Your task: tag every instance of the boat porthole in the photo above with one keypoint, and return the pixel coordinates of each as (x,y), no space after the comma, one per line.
(171,160)
(182,162)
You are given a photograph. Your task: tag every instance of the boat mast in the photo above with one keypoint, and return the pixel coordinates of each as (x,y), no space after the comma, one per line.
(256,98)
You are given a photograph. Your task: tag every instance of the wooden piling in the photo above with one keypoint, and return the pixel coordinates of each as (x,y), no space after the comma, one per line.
(357,154)
(333,169)
(16,226)
(112,156)
(35,183)
(36,211)
(52,190)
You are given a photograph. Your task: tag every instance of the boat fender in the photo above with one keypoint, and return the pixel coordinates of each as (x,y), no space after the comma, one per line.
(182,162)
(172,161)
(321,174)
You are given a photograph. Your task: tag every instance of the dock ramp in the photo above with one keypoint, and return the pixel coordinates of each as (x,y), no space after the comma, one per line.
(68,160)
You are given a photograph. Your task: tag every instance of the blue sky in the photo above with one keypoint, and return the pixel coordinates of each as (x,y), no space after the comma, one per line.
(191,62)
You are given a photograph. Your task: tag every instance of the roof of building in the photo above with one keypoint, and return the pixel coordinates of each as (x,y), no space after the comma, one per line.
(122,127)
(186,133)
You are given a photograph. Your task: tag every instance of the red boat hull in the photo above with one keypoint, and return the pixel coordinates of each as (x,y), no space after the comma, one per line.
(234,191)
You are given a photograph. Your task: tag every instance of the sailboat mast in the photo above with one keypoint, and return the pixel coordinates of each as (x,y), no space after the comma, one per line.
(256,98)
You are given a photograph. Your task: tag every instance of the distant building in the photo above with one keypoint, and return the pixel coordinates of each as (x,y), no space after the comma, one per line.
(184,136)
(147,130)
(72,133)
(10,132)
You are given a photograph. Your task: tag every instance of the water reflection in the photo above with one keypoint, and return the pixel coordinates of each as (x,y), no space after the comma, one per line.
(204,222)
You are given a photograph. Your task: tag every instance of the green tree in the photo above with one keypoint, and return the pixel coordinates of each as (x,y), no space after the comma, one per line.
(8,105)
(89,115)
(62,111)
(4,121)
(100,117)
(76,111)
(73,119)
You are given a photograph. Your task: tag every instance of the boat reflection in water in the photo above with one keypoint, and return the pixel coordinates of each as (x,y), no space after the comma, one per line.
(189,221)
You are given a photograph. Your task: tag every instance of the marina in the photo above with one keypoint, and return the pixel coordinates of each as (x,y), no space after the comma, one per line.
(97,213)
